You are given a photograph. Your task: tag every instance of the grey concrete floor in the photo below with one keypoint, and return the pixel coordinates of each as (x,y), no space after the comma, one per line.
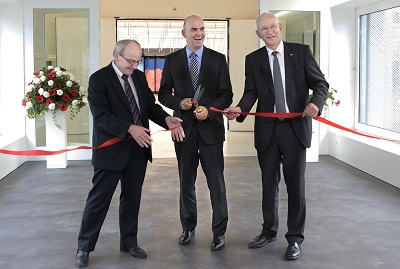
(353,220)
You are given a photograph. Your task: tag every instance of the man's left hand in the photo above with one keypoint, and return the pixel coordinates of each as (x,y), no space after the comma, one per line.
(174,123)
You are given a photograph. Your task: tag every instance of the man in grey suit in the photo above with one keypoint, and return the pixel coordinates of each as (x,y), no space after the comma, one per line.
(121,104)
(279,76)
(194,79)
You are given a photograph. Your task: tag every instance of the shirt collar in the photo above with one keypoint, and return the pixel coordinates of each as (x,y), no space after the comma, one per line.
(117,71)
(198,52)
(279,49)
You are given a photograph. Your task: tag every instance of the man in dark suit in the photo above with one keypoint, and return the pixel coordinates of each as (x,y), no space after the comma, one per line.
(110,88)
(194,79)
(281,141)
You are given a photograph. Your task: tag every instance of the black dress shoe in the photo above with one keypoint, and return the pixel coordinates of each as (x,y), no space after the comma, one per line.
(136,252)
(185,237)
(261,240)
(293,251)
(218,242)
(81,259)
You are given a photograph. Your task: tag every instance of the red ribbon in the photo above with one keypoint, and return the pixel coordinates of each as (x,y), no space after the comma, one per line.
(298,114)
(39,152)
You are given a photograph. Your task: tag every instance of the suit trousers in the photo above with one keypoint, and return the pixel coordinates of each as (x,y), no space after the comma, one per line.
(212,161)
(286,149)
(100,196)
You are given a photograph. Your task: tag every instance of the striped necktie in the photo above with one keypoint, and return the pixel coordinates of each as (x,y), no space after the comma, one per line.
(137,117)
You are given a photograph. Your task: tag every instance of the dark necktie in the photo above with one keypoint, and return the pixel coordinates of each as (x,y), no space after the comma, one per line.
(278,86)
(137,118)
(194,69)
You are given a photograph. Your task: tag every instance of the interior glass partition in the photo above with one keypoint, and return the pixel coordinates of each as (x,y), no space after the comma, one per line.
(61,38)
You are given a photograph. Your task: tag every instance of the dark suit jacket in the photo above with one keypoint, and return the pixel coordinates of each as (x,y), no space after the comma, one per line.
(112,116)
(214,78)
(301,73)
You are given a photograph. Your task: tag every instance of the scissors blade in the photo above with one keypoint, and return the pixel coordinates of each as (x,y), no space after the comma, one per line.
(197,94)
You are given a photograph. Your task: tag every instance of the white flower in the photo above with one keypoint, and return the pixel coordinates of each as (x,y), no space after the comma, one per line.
(50,67)
(75,103)
(50,83)
(46,94)
(58,73)
(41,91)
(52,106)
(29,105)
(71,77)
(30,87)
(41,73)
(36,80)
(69,83)
(43,78)
(60,92)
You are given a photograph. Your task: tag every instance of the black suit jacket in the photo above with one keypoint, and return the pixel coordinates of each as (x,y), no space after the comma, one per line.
(112,116)
(301,74)
(214,78)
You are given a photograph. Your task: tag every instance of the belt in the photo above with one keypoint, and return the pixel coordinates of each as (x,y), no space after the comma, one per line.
(278,120)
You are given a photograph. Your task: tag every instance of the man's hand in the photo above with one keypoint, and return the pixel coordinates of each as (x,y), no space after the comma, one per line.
(174,123)
(201,113)
(186,104)
(232,112)
(141,135)
(311,111)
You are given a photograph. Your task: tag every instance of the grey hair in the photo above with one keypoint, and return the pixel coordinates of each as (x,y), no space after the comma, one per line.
(120,46)
(266,14)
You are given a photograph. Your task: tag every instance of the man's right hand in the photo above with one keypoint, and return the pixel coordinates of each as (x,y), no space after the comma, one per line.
(186,104)
(232,112)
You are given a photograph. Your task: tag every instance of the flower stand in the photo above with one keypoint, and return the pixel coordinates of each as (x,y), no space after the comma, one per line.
(56,138)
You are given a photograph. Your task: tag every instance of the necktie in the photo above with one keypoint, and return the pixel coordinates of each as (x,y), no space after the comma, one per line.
(194,69)
(278,86)
(137,118)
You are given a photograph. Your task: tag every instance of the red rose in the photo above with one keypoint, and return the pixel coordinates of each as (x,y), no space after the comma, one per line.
(39,86)
(63,107)
(52,92)
(58,85)
(36,73)
(338,103)
(48,102)
(51,75)
(40,99)
(73,92)
(28,96)
(66,97)
(63,69)
(23,102)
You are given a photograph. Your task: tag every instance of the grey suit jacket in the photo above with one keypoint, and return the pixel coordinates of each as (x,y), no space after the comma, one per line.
(301,74)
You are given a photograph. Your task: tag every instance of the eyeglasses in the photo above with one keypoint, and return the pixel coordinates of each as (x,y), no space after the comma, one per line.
(131,62)
(272,28)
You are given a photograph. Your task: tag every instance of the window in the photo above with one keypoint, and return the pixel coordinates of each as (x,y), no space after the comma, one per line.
(379,70)
(159,38)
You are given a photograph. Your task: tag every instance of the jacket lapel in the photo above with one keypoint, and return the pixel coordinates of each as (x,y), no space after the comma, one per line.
(289,58)
(116,84)
(264,61)
(205,61)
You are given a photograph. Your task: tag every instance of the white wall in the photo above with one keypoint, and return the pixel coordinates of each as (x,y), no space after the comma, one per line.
(12,114)
(375,157)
